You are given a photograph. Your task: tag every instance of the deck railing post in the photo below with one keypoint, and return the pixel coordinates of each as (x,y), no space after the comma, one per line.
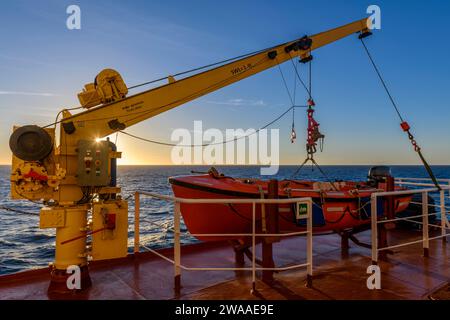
(136,223)
(309,244)
(443,216)
(374,227)
(177,235)
(253,248)
(271,228)
(449,188)
(425,224)
(177,248)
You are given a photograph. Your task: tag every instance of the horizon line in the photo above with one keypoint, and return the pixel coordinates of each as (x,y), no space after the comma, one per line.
(261,165)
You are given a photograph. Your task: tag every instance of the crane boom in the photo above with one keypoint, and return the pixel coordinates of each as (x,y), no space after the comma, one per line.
(109,118)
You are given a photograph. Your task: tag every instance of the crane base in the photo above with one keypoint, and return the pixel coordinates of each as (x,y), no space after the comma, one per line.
(58,283)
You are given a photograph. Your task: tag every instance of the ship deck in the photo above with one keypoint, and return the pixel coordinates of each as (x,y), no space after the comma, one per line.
(405,274)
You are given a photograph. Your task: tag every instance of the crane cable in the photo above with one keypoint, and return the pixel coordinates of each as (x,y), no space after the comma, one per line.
(293,133)
(298,75)
(19,211)
(310,156)
(222,62)
(209,144)
(180,100)
(285,83)
(310,77)
(292,97)
(293,106)
(201,68)
(309,91)
(403,124)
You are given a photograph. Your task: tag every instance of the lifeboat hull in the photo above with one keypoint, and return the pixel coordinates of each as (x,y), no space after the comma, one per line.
(332,210)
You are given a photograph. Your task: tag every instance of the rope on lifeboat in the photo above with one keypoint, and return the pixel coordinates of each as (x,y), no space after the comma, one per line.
(338,219)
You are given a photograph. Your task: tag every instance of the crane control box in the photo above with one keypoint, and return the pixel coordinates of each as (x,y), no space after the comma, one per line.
(94,163)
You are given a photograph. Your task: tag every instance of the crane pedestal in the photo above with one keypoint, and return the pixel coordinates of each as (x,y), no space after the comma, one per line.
(60,278)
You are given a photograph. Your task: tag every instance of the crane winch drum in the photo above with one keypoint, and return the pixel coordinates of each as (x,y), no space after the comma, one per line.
(108,87)
(31,143)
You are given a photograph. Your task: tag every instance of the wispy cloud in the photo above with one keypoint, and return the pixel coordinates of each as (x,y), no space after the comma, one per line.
(23,93)
(24,62)
(239,102)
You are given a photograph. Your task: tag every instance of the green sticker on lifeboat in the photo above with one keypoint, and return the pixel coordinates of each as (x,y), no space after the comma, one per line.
(302,212)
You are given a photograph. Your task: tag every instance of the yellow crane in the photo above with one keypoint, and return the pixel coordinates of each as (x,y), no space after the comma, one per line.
(77,177)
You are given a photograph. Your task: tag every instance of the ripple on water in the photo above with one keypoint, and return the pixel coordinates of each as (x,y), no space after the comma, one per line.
(24,246)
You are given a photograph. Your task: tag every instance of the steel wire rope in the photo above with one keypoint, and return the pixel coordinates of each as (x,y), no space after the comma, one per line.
(209,144)
(410,136)
(145,112)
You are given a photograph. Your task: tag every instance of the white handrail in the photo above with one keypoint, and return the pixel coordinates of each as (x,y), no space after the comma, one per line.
(402,192)
(425,225)
(401,181)
(421,179)
(224,200)
(177,233)
(419,184)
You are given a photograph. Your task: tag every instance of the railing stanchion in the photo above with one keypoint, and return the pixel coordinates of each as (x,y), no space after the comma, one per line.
(136,223)
(375,222)
(178,267)
(309,244)
(443,216)
(425,236)
(177,248)
(253,247)
(449,187)
(374,227)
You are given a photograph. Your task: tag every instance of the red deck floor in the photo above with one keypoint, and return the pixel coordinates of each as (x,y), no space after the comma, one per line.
(337,275)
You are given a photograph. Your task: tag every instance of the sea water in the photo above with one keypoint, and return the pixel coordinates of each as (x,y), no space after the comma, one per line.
(24,246)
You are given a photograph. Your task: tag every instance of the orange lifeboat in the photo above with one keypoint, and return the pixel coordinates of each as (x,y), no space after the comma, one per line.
(336,206)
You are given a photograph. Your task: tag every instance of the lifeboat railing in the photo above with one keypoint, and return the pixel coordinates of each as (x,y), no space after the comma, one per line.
(422,182)
(176,261)
(425,240)
(444,210)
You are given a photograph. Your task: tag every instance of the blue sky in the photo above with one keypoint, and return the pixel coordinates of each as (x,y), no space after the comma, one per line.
(43,65)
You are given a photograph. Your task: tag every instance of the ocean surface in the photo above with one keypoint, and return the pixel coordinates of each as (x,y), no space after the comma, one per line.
(24,246)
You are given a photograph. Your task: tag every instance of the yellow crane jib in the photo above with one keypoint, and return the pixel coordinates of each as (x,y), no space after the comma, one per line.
(77,178)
